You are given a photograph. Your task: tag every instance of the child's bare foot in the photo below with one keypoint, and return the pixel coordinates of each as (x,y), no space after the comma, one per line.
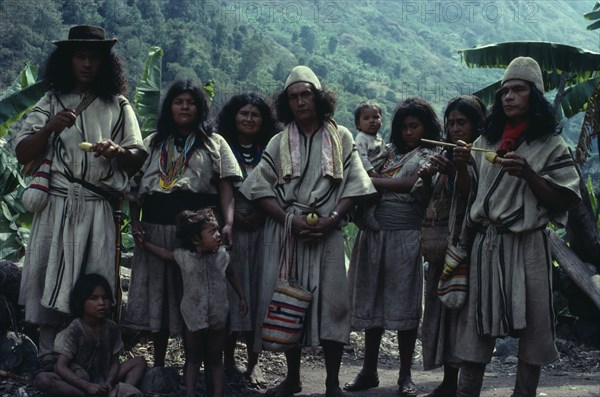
(255,377)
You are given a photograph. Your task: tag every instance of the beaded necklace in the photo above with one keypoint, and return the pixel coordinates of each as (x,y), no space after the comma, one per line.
(172,163)
(247,156)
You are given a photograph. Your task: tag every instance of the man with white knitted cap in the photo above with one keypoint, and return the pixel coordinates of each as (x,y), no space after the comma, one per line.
(311,167)
(533,181)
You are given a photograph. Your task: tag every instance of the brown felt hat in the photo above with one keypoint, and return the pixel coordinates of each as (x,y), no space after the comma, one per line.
(86,35)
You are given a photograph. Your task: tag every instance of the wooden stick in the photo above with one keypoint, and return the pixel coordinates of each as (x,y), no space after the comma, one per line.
(581,273)
(439,143)
(118,218)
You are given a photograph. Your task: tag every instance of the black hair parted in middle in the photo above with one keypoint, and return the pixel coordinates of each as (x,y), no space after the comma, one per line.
(58,72)
(166,126)
(422,110)
(325,103)
(541,117)
(471,107)
(227,126)
(83,289)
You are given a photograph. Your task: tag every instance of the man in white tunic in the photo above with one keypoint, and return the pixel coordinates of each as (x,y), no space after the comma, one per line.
(74,233)
(311,166)
(534,182)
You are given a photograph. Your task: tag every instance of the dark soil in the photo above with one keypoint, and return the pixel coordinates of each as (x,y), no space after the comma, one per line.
(577,373)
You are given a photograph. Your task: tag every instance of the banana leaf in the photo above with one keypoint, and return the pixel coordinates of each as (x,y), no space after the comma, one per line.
(592,15)
(147,94)
(590,128)
(10,177)
(11,243)
(21,96)
(577,97)
(551,56)
(594,26)
(26,77)
(486,94)
(209,89)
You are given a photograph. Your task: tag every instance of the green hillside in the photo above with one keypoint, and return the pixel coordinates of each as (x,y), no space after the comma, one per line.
(377,49)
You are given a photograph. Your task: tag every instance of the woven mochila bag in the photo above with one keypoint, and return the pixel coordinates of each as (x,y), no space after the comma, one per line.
(284,322)
(36,194)
(453,285)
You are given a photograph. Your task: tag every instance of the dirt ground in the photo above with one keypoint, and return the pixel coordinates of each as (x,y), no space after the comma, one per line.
(576,374)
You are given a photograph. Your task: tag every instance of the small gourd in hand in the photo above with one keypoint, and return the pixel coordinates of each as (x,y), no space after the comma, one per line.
(85,146)
(493,158)
(312,218)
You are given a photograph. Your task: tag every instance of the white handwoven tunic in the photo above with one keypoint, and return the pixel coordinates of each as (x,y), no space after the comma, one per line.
(320,265)
(75,233)
(510,289)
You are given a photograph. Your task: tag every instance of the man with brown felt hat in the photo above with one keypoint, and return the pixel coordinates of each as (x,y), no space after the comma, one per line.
(86,34)
(73,233)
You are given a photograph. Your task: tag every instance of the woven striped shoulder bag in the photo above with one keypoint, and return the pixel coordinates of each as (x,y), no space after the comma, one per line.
(35,196)
(453,285)
(284,322)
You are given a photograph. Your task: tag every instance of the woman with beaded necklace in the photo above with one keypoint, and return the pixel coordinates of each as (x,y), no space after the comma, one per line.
(247,123)
(188,168)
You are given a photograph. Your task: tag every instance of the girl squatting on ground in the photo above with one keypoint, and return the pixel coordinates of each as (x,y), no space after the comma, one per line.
(88,349)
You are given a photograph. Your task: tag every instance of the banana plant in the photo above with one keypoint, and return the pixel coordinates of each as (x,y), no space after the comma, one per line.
(147,94)
(21,96)
(573,72)
(594,15)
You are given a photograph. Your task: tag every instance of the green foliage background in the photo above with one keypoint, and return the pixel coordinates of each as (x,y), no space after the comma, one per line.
(385,50)
(376,49)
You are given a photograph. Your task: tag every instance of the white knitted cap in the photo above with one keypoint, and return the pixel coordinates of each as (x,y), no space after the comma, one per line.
(524,68)
(304,74)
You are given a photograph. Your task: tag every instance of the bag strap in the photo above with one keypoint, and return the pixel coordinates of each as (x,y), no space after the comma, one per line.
(85,102)
(286,256)
(458,225)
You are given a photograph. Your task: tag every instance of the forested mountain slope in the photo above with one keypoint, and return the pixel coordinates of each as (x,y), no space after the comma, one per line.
(376,49)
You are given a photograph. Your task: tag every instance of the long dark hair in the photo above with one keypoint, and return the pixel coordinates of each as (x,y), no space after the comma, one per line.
(422,110)
(541,116)
(227,115)
(58,72)
(325,102)
(473,109)
(83,289)
(166,127)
